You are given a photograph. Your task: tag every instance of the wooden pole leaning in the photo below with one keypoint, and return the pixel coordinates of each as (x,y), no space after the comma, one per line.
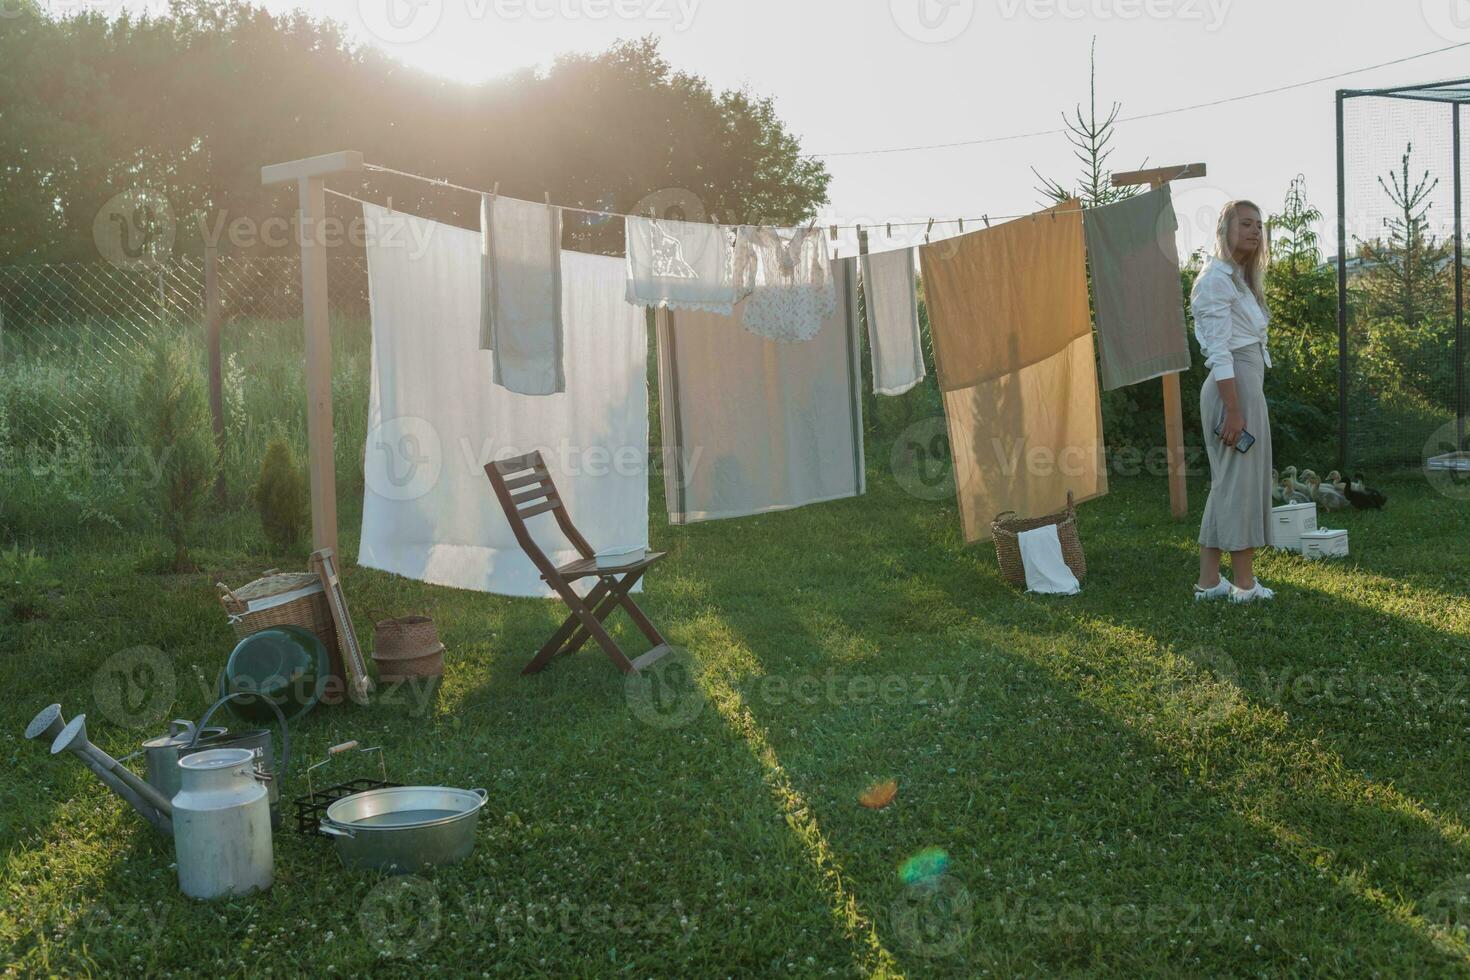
(1173,405)
(310,175)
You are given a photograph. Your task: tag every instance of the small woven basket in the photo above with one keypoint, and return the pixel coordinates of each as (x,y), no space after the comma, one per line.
(407,647)
(283,599)
(1007,526)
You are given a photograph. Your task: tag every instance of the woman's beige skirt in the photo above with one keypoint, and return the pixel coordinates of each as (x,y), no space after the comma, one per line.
(1238,511)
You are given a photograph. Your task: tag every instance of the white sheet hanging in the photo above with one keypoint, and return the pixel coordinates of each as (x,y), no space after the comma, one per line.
(428,510)
(893,321)
(681,265)
(520,310)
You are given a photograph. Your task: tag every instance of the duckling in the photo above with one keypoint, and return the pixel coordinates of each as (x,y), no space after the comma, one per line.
(1307,477)
(1325,494)
(1335,478)
(1364,497)
(1292,494)
(1278,492)
(1296,493)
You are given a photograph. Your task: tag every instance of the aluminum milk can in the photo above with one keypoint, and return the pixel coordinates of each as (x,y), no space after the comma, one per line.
(222,825)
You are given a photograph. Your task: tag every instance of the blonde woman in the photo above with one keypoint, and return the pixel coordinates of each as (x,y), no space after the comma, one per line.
(1230,321)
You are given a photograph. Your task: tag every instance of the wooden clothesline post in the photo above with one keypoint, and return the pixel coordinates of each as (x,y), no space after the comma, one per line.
(1173,406)
(310,175)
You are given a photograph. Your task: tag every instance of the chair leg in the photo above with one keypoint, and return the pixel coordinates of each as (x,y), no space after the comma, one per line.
(556,645)
(591,624)
(595,600)
(642,621)
(617,589)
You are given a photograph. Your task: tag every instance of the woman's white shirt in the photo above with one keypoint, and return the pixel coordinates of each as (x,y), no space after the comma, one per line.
(1227,317)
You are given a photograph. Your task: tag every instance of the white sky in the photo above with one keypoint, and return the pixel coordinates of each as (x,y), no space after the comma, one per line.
(870,74)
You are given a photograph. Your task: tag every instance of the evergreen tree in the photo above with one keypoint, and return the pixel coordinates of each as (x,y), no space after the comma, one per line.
(1302,294)
(281,497)
(1091,137)
(1406,275)
(174,426)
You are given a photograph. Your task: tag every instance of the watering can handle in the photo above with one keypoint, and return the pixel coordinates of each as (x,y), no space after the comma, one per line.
(342,747)
(280,717)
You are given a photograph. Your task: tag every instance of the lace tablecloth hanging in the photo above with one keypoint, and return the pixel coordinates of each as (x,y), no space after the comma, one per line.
(681,265)
(789,277)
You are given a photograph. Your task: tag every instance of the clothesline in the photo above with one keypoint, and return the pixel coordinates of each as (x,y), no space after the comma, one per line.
(929,222)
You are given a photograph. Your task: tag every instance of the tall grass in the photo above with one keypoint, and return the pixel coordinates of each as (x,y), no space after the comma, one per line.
(72,462)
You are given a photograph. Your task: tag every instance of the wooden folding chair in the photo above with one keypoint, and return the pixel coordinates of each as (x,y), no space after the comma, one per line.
(524,488)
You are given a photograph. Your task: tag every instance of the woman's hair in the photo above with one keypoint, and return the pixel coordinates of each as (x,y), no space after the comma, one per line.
(1254,267)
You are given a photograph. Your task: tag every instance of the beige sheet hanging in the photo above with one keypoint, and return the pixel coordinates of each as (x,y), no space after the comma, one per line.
(1014,354)
(752,425)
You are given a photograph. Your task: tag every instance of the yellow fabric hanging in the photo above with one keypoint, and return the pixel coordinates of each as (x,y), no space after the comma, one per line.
(1014,353)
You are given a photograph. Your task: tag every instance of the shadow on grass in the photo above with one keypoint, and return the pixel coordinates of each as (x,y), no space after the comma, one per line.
(1069,651)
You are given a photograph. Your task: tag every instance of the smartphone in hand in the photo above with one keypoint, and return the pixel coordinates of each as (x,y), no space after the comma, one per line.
(1243,442)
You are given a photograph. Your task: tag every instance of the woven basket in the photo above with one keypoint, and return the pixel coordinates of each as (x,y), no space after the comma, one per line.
(1007,526)
(407,647)
(284,599)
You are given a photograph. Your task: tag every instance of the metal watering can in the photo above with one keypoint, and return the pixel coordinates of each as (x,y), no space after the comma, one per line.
(184,738)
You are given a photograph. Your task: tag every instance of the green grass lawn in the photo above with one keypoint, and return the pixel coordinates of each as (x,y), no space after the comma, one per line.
(1124,782)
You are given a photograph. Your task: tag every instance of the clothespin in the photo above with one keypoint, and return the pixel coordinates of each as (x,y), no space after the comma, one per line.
(890,230)
(962,225)
(714,219)
(985,218)
(390,202)
(548,198)
(495,191)
(929,229)
(833,232)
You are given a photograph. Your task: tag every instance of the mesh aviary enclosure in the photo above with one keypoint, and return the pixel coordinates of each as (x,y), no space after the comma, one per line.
(1401,329)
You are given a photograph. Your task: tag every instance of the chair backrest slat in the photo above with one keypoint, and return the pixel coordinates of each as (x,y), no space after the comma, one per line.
(515,464)
(540,508)
(536,495)
(538,475)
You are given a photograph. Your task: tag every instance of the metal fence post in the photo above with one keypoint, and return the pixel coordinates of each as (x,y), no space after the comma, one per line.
(216,381)
(1342,313)
(1459,296)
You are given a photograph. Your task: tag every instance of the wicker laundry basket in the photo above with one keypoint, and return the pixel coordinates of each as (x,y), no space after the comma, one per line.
(286,599)
(407,647)
(1007,526)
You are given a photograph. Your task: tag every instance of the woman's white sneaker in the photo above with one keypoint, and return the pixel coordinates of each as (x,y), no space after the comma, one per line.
(1219,590)
(1252,594)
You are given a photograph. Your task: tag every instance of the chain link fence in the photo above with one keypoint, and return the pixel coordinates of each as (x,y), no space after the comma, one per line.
(75,338)
(1405,369)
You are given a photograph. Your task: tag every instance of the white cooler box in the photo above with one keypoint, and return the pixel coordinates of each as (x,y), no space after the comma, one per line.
(1325,543)
(1289,522)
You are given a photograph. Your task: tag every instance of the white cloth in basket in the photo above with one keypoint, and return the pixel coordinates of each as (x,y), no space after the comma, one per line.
(1041,557)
